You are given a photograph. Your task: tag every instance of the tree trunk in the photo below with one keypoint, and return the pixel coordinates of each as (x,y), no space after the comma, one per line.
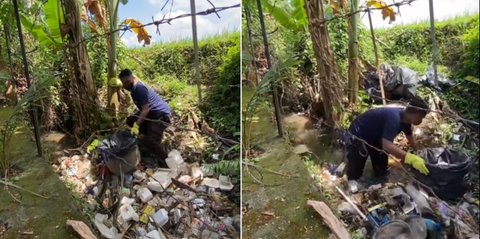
(353,74)
(113,93)
(328,77)
(81,95)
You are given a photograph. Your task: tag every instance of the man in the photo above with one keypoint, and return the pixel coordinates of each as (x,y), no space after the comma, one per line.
(152,116)
(378,128)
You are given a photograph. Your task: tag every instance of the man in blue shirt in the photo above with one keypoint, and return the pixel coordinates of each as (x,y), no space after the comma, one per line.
(378,128)
(153,115)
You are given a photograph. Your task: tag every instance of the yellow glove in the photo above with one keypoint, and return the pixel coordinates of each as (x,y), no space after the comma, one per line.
(416,162)
(115,82)
(135,129)
(95,143)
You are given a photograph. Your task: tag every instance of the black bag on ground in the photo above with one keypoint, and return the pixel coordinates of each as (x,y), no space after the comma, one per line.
(120,152)
(448,170)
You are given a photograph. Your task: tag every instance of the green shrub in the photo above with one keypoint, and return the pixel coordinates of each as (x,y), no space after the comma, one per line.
(222,102)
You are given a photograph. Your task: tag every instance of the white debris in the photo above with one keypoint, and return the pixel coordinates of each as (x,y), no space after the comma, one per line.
(225,183)
(139,175)
(144,194)
(211,182)
(174,160)
(155,186)
(127,200)
(163,177)
(106,232)
(126,214)
(161,217)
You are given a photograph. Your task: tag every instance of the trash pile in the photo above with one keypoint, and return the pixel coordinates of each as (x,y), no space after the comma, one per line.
(440,205)
(181,201)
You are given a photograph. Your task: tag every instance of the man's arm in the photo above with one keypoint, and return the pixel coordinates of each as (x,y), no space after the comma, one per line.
(411,141)
(143,114)
(390,148)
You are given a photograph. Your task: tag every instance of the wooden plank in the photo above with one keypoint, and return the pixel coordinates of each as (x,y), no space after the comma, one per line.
(82,229)
(330,219)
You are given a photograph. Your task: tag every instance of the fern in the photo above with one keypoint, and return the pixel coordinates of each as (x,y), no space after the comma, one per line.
(224,167)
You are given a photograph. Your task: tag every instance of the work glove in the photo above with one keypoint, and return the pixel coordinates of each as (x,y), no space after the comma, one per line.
(94,145)
(416,162)
(135,129)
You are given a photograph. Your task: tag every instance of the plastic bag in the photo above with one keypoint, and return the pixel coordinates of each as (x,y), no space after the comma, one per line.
(448,170)
(120,152)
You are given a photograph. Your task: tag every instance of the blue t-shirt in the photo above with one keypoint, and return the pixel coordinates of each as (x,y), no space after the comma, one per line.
(376,124)
(142,95)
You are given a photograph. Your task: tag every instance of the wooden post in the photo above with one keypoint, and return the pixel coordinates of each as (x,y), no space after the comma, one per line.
(377,61)
(195,50)
(33,109)
(276,102)
(434,41)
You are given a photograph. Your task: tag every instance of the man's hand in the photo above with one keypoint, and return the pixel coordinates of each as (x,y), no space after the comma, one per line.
(416,162)
(135,129)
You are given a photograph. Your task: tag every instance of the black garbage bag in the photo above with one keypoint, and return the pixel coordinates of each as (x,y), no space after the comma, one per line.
(441,84)
(399,82)
(120,152)
(448,172)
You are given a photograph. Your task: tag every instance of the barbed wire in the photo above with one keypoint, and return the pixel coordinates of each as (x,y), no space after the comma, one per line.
(157,23)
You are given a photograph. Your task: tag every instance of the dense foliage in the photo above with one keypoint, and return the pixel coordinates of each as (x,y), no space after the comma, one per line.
(458,41)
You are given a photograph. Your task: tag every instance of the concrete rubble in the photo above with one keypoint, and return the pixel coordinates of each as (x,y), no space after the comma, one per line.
(177,202)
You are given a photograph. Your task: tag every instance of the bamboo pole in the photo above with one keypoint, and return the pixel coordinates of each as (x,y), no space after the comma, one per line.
(250,41)
(33,109)
(377,60)
(195,49)
(276,102)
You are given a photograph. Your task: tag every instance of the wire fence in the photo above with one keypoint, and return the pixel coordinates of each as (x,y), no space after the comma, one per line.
(157,23)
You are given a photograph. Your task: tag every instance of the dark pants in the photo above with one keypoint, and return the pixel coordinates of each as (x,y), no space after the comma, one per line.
(357,153)
(152,134)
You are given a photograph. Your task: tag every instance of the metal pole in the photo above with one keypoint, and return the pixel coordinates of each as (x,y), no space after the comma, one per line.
(377,61)
(434,41)
(195,49)
(276,103)
(33,109)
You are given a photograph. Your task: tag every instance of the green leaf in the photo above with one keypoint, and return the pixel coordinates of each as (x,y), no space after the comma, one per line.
(38,32)
(281,16)
(53,16)
(473,79)
(299,13)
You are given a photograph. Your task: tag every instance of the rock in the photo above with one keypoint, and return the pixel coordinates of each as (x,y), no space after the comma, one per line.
(301,149)
(106,232)
(139,175)
(225,183)
(155,186)
(126,214)
(211,182)
(144,194)
(127,200)
(161,217)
